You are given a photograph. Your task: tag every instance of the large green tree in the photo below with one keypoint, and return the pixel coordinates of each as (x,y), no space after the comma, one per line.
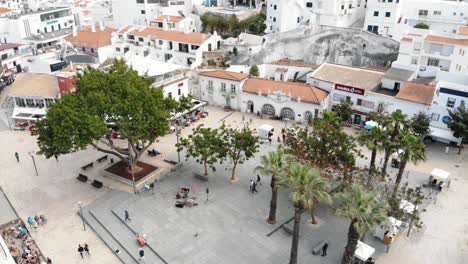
(365,210)
(275,163)
(411,149)
(420,123)
(393,125)
(343,110)
(240,145)
(206,145)
(374,140)
(459,124)
(118,96)
(307,188)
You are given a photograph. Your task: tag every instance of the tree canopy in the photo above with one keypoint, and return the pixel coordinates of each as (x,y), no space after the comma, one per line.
(240,144)
(459,123)
(254,71)
(343,110)
(118,97)
(420,123)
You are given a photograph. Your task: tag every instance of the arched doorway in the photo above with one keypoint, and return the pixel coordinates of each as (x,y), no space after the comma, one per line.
(250,107)
(308,117)
(287,113)
(268,109)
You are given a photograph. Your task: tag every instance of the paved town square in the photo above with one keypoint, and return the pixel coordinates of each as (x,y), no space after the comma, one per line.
(229,228)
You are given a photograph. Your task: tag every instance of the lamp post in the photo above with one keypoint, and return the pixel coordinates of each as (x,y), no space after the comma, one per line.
(8,120)
(177,137)
(31,153)
(81,214)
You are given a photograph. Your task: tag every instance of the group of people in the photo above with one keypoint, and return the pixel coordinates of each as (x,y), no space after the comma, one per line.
(38,220)
(83,250)
(253,184)
(21,246)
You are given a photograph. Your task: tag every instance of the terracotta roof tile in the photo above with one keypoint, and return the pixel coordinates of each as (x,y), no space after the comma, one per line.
(227,75)
(306,93)
(345,75)
(417,93)
(4,10)
(191,38)
(5,46)
(463,30)
(446,40)
(86,37)
(407,39)
(169,18)
(124,29)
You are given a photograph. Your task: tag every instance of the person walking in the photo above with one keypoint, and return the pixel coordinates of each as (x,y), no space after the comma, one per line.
(86,249)
(17,156)
(127,216)
(324,249)
(30,222)
(269,140)
(80,250)
(141,254)
(259,180)
(284,138)
(254,187)
(48,260)
(207,193)
(251,186)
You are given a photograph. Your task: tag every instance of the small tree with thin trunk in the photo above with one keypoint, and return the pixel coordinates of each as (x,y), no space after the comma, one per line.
(206,145)
(254,71)
(459,124)
(373,140)
(420,123)
(365,210)
(274,164)
(240,144)
(343,110)
(307,188)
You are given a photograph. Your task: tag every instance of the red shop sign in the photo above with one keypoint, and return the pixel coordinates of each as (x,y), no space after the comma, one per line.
(180,84)
(350,89)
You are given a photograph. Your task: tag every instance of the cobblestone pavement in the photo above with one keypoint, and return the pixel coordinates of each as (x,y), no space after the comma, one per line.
(235,228)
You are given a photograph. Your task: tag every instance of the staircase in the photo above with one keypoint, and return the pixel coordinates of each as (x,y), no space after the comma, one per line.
(114,232)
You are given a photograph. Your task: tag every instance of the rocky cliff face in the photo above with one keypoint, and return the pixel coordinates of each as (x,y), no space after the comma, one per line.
(347,46)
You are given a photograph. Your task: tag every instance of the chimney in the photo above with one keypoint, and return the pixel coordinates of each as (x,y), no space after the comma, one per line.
(101,26)
(93,27)
(74,30)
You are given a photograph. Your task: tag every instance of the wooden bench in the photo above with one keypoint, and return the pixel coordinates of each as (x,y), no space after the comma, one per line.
(318,248)
(97,184)
(82,178)
(102,158)
(87,166)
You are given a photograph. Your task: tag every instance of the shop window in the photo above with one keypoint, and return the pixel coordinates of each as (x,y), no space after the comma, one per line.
(435,117)
(451,102)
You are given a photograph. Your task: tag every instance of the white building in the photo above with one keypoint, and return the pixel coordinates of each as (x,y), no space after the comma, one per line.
(11,55)
(449,95)
(395,18)
(277,71)
(177,23)
(94,42)
(42,28)
(181,48)
(285,15)
(363,88)
(433,54)
(236,91)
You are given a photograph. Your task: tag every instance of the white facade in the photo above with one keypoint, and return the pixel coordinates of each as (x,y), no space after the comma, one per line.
(275,72)
(12,55)
(177,23)
(434,54)
(285,15)
(41,28)
(174,47)
(221,92)
(395,18)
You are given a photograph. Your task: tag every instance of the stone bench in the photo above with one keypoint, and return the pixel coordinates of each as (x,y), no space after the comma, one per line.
(89,165)
(82,178)
(318,248)
(97,184)
(102,158)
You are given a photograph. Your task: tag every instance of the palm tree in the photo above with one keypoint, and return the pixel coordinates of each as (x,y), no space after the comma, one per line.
(308,188)
(412,150)
(274,164)
(374,140)
(365,210)
(397,122)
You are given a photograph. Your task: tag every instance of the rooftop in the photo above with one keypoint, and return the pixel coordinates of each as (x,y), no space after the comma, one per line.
(295,91)
(462,30)
(45,10)
(350,76)
(5,46)
(416,92)
(4,10)
(169,18)
(150,67)
(447,40)
(191,38)
(399,74)
(296,63)
(227,75)
(44,37)
(35,84)
(86,37)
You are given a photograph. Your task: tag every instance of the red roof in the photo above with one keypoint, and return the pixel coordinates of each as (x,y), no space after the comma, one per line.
(6,46)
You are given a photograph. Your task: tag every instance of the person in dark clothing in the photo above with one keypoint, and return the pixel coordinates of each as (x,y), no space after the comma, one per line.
(86,249)
(324,249)
(259,180)
(80,250)
(17,156)
(49,261)
(127,216)
(254,187)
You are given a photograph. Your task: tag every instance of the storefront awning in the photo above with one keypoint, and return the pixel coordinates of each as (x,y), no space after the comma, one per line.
(444,134)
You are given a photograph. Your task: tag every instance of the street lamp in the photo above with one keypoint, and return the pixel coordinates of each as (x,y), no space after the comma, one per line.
(31,153)
(81,214)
